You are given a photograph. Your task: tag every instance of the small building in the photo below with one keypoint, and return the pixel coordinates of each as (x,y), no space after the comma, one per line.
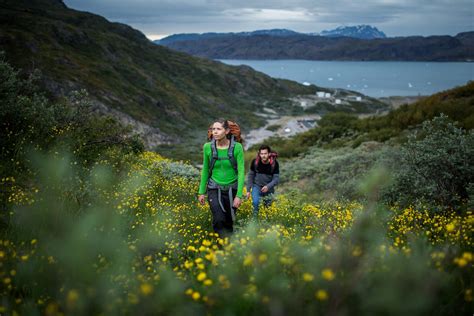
(338,101)
(327,95)
(320,94)
(359,99)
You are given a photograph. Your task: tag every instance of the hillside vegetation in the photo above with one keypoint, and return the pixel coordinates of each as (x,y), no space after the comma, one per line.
(93,224)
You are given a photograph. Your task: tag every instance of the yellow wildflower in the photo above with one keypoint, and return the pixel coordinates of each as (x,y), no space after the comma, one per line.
(450,227)
(196,296)
(308,277)
(357,251)
(146,289)
(321,295)
(201,276)
(467,255)
(460,262)
(248,260)
(468,295)
(72,298)
(327,274)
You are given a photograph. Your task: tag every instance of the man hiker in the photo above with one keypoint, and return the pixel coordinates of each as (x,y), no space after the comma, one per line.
(262,178)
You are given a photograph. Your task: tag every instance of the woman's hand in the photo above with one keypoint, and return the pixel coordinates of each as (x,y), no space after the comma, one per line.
(202,199)
(237,202)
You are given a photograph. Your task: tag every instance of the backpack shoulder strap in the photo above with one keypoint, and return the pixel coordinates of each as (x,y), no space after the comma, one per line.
(230,153)
(272,165)
(214,156)
(255,163)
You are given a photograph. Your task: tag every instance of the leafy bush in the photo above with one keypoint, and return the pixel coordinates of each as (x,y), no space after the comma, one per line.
(29,121)
(324,174)
(436,165)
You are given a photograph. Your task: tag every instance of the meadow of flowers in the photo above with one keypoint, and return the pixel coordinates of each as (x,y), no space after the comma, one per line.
(138,242)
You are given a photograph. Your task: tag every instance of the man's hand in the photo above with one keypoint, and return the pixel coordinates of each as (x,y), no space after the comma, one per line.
(202,199)
(264,189)
(248,195)
(237,202)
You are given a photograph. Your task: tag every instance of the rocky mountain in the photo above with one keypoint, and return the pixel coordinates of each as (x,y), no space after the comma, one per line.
(413,48)
(164,94)
(358,31)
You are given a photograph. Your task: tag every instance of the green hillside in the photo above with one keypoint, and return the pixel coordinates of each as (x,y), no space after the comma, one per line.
(125,71)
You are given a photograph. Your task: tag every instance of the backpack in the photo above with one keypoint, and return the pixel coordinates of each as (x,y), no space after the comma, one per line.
(235,137)
(272,156)
(234,130)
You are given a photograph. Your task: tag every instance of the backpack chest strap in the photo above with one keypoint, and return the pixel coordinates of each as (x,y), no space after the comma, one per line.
(215,155)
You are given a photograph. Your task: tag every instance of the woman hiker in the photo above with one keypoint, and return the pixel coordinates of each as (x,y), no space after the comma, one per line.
(223,175)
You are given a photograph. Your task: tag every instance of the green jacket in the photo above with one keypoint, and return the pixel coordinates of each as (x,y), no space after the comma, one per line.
(223,173)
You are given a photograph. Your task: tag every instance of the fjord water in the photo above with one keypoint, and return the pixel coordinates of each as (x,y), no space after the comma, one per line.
(372,78)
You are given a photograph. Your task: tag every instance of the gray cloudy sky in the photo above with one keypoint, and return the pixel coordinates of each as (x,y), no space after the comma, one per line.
(159,18)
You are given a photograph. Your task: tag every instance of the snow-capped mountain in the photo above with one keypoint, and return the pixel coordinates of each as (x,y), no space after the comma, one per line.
(358,31)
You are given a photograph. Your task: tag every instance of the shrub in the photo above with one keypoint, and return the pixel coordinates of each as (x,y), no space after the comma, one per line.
(323,174)
(30,121)
(435,165)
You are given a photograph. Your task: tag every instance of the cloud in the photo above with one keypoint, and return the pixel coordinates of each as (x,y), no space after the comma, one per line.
(265,15)
(395,17)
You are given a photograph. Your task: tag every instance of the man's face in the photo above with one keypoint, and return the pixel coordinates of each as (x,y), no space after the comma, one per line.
(264,154)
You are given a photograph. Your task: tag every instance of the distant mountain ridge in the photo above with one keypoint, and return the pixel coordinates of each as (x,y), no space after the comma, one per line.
(316,47)
(196,36)
(358,31)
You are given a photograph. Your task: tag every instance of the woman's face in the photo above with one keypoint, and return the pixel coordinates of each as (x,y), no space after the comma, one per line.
(218,131)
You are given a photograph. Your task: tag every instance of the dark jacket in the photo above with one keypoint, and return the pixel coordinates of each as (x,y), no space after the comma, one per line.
(263,176)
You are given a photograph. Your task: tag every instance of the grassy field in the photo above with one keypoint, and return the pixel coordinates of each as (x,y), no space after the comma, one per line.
(140,243)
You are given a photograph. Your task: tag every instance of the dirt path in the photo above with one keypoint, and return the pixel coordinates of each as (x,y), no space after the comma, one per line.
(288,126)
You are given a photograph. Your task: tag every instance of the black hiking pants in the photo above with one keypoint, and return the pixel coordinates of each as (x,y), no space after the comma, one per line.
(221,221)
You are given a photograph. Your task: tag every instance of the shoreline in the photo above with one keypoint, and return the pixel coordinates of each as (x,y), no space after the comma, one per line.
(291,125)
